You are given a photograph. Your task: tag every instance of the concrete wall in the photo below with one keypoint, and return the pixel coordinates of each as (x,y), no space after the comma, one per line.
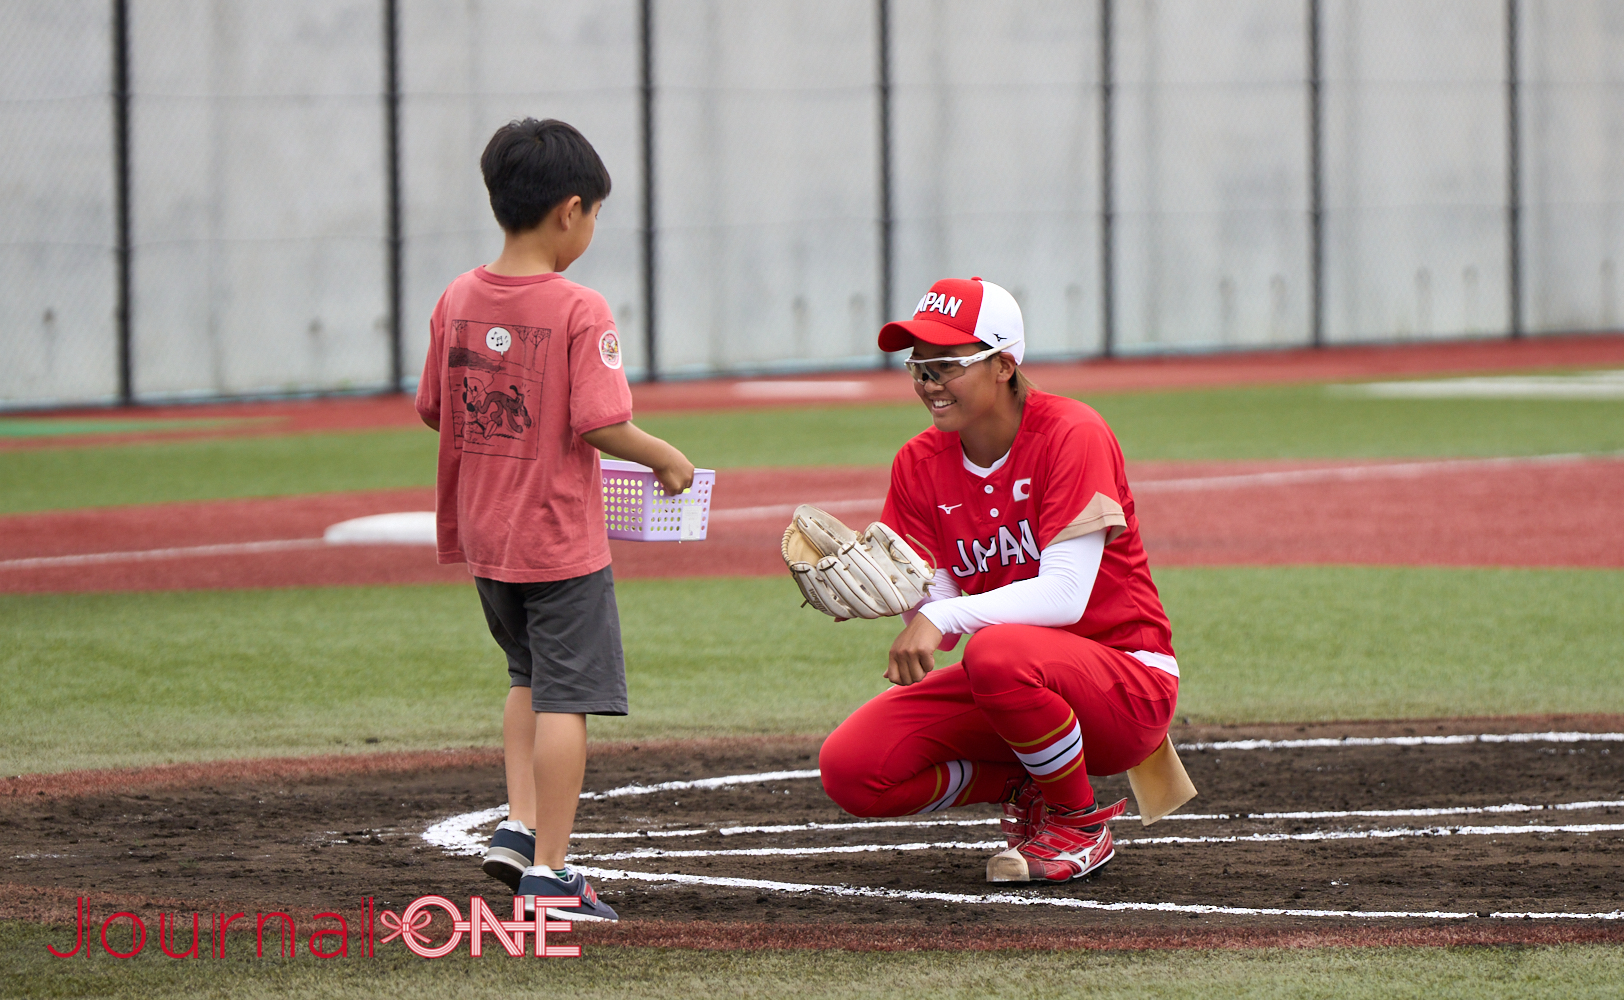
(257,180)
(260,222)
(1573,166)
(997,159)
(1212,175)
(56,203)
(767,179)
(469,67)
(1415,169)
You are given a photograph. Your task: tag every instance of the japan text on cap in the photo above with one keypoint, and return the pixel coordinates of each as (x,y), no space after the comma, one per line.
(961,311)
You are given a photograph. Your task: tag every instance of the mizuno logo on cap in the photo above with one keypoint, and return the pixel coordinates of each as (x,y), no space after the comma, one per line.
(936,302)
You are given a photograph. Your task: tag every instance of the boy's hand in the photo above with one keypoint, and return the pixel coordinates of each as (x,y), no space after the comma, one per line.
(671,467)
(676,476)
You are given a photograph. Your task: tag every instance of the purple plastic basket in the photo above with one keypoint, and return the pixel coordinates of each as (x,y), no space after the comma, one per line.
(637,508)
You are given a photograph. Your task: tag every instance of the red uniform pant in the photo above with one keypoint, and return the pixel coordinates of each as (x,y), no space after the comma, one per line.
(1024,700)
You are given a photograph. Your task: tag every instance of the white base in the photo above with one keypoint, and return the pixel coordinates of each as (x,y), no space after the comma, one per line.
(407,528)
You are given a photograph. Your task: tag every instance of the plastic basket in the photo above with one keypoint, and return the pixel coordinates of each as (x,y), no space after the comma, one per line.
(638,509)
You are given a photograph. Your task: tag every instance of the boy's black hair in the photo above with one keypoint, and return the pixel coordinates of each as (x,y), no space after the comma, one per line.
(530,166)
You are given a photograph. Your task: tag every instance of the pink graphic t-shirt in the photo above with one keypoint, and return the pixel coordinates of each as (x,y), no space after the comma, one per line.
(517,370)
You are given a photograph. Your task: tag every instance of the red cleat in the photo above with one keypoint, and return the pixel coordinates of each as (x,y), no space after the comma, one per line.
(1023,810)
(1063,848)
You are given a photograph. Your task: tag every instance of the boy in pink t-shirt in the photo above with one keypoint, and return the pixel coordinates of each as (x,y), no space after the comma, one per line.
(524,383)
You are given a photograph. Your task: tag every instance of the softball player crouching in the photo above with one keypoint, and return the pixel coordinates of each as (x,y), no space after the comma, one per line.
(1019,501)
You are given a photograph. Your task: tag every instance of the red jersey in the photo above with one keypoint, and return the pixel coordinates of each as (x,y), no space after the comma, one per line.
(524,366)
(1064,478)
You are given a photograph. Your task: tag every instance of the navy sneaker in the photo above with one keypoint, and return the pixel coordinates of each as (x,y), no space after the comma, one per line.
(543,881)
(512,850)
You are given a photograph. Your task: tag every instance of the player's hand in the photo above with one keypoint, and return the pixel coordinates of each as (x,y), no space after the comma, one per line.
(677,475)
(913,654)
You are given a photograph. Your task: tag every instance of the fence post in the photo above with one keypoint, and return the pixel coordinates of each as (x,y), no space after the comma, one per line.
(645,43)
(391,102)
(1513,177)
(121,200)
(1107,189)
(883,25)
(1316,181)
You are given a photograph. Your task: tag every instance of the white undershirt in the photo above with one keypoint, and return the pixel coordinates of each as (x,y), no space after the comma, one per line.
(1056,597)
(977,470)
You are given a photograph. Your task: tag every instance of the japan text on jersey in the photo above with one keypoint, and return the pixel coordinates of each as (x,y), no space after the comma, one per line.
(1001,545)
(980,536)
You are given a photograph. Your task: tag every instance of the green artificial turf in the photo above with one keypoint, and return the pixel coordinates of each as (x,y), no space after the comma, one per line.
(611,973)
(215,469)
(1305,643)
(37,427)
(1270,422)
(1313,421)
(97,680)
(122,679)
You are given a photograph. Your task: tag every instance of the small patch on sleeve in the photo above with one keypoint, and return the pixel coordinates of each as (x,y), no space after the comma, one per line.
(1101,513)
(609,349)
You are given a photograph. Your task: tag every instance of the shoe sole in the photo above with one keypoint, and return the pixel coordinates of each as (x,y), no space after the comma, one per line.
(1010,866)
(553,913)
(506,866)
(579,917)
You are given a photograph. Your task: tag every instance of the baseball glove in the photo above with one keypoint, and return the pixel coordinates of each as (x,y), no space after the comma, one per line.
(847,575)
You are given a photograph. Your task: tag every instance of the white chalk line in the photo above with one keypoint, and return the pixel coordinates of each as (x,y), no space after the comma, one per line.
(1583,829)
(735,831)
(1015,899)
(790,852)
(1582,385)
(1405,741)
(189,551)
(455,834)
(1510,807)
(1340,473)
(1354,473)
(1362,741)
(677,786)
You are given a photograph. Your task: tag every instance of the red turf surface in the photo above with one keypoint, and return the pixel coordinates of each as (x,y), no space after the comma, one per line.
(1513,514)
(1242,368)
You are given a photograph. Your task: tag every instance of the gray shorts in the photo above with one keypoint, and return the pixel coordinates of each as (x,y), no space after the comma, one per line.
(562,641)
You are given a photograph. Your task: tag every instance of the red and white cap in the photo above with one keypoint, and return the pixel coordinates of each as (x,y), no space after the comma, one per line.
(960,311)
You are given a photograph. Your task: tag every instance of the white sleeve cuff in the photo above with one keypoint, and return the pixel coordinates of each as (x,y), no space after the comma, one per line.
(1057,596)
(941,587)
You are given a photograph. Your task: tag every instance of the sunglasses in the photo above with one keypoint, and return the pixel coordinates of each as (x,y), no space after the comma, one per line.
(944,370)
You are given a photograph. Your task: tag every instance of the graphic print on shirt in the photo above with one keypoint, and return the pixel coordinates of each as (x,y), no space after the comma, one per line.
(1001,545)
(497,370)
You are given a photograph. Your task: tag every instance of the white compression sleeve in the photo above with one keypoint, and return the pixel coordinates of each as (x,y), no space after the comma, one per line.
(1057,596)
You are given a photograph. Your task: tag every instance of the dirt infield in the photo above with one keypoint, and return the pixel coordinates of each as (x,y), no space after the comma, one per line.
(1294,844)
(1484,513)
(351,413)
